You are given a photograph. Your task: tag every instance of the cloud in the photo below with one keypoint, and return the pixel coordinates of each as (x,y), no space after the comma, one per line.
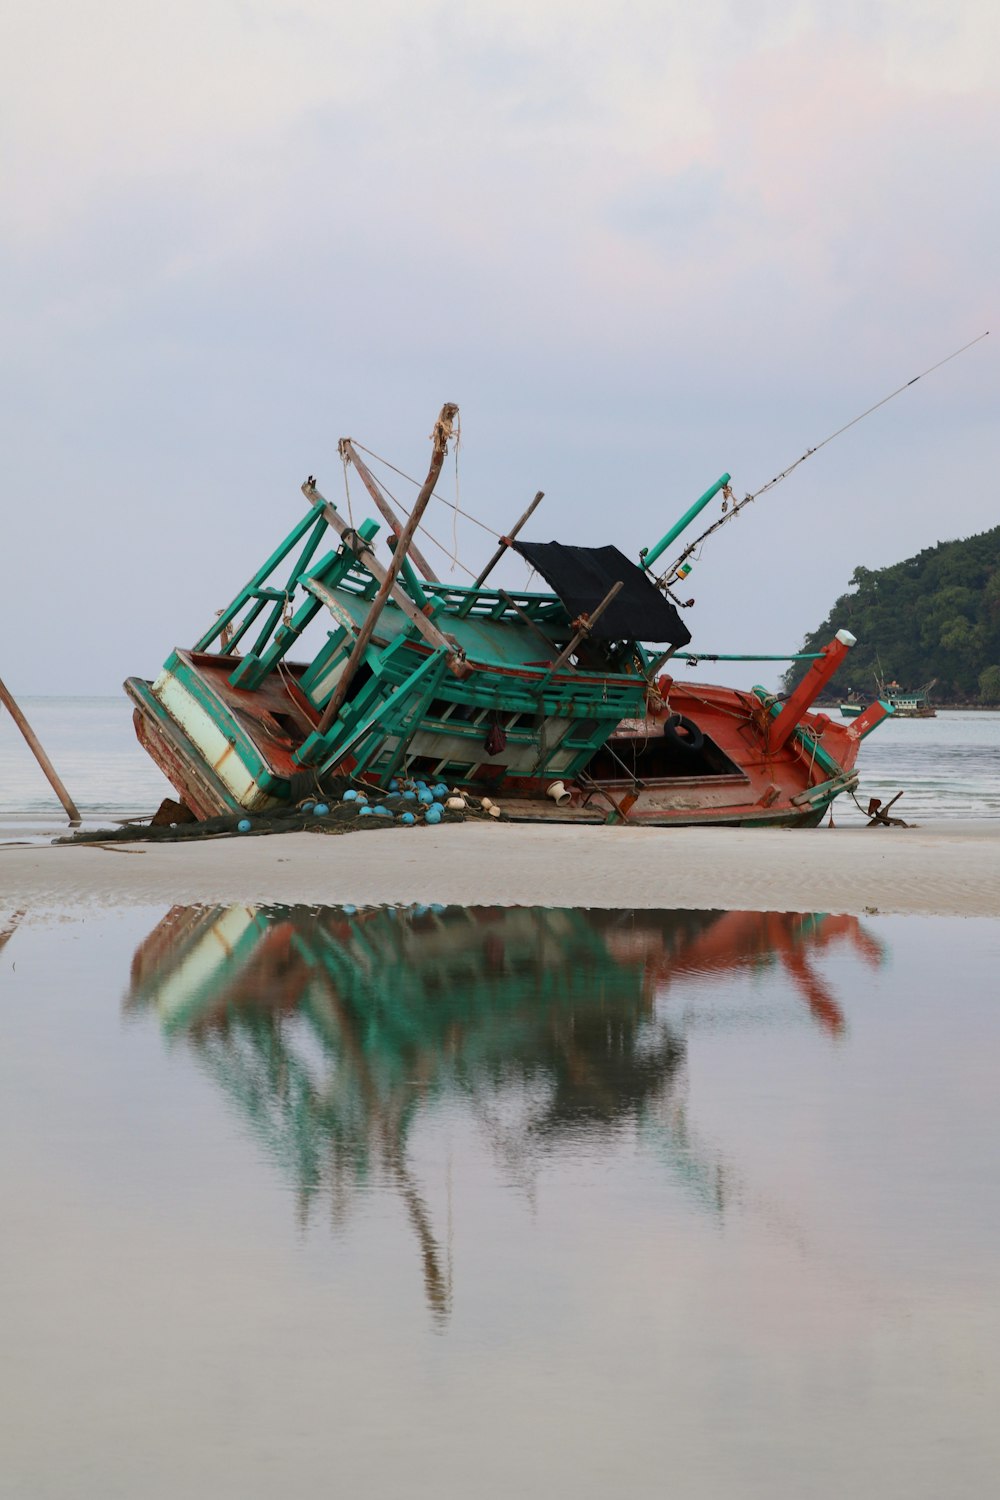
(638,242)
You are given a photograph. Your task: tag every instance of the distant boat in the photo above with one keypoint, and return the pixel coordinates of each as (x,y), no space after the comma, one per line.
(904,703)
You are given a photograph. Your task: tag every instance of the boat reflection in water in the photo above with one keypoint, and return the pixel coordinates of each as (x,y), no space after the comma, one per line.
(333,1029)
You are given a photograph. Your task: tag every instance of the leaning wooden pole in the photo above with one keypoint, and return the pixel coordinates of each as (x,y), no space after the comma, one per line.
(443,428)
(505,541)
(6,697)
(347,450)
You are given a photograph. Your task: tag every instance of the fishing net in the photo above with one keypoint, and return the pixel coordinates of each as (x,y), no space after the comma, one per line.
(340,817)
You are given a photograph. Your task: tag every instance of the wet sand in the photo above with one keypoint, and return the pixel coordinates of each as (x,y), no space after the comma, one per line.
(951,869)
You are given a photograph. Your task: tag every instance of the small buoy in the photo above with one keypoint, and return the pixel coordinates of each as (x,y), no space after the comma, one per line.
(409,796)
(320,810)
(350,795)
(394,785)
(433,814)
(486,804)
(365,811)
(349,911)
(407,819)
(244,825)
(425,797)
(382,811)
(308,805)
(438,805)
(455,803)
(493,810)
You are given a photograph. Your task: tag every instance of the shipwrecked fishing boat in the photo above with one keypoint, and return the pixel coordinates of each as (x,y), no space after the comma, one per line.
(557,704)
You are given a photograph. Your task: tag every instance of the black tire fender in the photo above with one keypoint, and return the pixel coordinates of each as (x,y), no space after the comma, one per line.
(684,733)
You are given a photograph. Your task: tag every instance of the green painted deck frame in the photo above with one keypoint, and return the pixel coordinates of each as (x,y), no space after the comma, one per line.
(555,722)
(372,717)
(331,572)
(343,573)
(410,690)
(255,590)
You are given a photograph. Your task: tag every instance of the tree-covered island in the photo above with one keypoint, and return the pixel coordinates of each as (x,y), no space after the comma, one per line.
(935,615)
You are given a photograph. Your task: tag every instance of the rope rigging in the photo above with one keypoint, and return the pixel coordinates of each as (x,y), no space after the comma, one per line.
(409,477)
(731,507)
(428,534)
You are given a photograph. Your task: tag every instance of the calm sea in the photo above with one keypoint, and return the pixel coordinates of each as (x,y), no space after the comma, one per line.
(92,745)
(439,1203)
(948,767)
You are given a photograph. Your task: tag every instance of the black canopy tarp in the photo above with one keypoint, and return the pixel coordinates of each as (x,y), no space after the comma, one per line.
(582,576)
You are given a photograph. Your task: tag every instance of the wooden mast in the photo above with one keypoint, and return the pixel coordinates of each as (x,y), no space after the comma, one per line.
(442,432)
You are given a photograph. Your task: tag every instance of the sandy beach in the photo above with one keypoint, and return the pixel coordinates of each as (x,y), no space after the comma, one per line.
(945,870)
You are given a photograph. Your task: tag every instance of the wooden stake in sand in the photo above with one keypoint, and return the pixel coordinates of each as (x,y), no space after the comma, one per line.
(43,760)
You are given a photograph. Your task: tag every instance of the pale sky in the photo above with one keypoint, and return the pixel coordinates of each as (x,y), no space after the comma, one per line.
(639,244)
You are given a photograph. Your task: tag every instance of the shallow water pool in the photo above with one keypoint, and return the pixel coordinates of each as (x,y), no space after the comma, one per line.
(450,1202)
